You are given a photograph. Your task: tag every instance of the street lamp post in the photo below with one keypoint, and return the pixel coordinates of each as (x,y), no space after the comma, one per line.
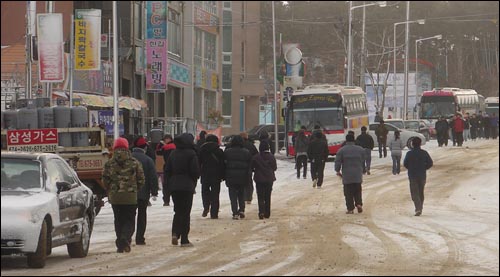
(349,51)
(416,63)
(419,21)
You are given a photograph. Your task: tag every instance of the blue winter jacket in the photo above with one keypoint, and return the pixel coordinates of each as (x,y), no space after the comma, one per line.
(417,161)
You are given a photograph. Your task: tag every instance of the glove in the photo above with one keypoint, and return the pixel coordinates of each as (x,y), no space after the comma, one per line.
(153,198)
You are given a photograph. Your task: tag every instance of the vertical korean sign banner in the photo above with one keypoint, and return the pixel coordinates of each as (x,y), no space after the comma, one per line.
(87,39)
(156,45)
(50,47)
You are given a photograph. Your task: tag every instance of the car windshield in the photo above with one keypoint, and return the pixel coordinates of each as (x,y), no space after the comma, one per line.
(398,124)
(21,174)
(412,125)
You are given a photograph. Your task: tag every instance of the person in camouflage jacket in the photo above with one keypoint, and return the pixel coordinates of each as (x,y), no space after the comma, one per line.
(123,177)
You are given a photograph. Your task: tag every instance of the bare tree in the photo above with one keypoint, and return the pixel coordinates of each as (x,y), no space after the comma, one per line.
(382,59)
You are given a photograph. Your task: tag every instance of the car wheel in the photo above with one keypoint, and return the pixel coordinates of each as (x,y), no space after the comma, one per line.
(408,143)
(37,259)
(80,248)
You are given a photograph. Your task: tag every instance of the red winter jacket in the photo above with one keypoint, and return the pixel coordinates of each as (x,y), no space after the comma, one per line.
(458,125)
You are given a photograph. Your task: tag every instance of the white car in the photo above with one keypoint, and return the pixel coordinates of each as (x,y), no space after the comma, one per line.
(406,135)
(44,205)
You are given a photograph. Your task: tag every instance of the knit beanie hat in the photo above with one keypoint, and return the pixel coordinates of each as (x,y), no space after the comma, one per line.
(120,143)
(141,142)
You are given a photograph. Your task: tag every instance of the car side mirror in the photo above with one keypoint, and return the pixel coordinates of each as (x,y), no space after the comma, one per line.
(63,186)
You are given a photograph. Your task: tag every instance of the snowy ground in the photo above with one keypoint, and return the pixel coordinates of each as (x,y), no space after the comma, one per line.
(310,234)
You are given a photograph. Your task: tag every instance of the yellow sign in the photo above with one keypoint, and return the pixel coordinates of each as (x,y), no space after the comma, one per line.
(88,40)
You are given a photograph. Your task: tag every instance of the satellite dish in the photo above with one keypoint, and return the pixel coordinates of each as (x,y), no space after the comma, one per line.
(293,56)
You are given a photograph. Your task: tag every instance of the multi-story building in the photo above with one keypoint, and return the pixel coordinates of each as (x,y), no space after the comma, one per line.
(213,60)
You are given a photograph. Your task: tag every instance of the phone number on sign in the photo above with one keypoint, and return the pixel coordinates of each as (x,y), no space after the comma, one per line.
(34,148)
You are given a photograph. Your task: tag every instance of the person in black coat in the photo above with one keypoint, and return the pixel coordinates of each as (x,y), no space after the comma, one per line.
(212,172)
(264,166)
(366,141)
(248,144)
(264,137)
(201,139)
(150,188)
(166,150)
(182,173)
(417,161)
(317,152)
(442,128)
(237,161)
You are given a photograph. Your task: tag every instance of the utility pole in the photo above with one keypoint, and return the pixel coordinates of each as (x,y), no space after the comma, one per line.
(407,44)
(116,114)
(28,48)
(363,56)
(48,86)
(276,136)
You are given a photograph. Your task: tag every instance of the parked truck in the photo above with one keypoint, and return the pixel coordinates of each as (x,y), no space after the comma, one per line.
(87,161)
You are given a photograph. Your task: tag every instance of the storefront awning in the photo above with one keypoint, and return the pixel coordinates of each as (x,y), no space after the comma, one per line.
(102,101)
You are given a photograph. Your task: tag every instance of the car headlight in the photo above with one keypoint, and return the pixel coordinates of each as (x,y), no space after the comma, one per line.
(29,216)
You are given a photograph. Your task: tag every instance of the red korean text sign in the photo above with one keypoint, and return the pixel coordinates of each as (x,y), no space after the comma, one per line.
(35,140)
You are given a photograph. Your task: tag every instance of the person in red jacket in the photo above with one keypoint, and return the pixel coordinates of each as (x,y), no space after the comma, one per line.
(458,128)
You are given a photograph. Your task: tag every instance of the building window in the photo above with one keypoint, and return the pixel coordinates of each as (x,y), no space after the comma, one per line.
(243,57)
(210,6)
(227,5)
(174,32)
(198,35)
(226,102)
(210,51)
(226,76)
(138,24)
(198,97)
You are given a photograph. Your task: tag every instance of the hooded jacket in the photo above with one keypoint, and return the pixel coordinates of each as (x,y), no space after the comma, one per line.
(151,180)
(211,163)
(417,161)
(123,177)
(264,166)
(182,169)
(237,160)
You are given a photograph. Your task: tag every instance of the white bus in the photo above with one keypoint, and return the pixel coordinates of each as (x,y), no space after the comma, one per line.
(335,109)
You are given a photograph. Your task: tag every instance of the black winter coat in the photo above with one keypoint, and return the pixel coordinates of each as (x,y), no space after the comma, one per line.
(237,160)
(250,147)
(264,166)
(182,169)
(318,149)
(211,163)
(365,140)
(151,185)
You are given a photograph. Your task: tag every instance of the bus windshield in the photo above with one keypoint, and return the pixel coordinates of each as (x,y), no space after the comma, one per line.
(434,107)
(326,118)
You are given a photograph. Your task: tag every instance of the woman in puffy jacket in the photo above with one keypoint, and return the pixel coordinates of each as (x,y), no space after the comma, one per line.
(264,166)
(396,146)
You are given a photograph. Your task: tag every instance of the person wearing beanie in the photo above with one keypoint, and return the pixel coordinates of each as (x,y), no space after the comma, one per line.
(350,160)
(318,152)
(264,166)
(182,172)
(150,188)
(237,161)
(417,161)
(123,177)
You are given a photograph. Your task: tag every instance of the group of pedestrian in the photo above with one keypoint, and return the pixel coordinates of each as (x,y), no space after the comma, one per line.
(463,128)
(130,178)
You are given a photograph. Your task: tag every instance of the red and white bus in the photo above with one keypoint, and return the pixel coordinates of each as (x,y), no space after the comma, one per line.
(448,101)
(335,108)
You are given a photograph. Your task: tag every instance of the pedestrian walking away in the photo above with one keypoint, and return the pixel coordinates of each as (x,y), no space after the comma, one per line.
(123,177)
(150,188)
(366,141)
(417,161)
(264,166)
(166,150)
(237,161)
(349,164)
(381,133)
(396,146)
(442,128)
(212,172)
(317,152)
(300,145)
(248,144)
(182,173)
(156,134)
